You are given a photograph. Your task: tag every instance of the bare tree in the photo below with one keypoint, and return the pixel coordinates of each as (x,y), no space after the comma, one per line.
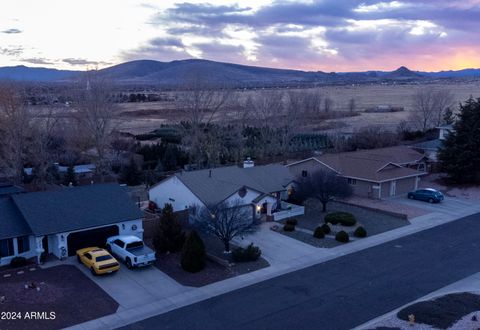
(429,107)
(323,185)
(225,221)
(313,101)
(15,125)
(268,107)
(328,104)
(352,105)
(95,114)
(45,148)
(200,103)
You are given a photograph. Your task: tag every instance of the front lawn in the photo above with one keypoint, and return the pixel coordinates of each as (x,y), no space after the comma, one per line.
(62,290)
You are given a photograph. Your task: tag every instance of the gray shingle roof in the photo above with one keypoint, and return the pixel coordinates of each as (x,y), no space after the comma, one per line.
(225,181)
(12,223)
(76,208)
(8,189)
(429,145)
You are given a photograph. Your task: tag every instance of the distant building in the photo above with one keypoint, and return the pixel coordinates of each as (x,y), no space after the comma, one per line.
(375,173)
(432,147)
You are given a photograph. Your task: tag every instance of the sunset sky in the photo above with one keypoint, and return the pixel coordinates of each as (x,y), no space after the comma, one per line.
(327,35)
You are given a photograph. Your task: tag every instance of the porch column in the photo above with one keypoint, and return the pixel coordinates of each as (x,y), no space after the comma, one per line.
(39,248)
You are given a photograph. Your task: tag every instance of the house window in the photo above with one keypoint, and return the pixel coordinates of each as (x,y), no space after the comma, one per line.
(304,173)
(23,244)
(352,181)
(6,247)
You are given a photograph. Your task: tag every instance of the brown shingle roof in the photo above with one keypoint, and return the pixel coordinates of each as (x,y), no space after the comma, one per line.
(373,165)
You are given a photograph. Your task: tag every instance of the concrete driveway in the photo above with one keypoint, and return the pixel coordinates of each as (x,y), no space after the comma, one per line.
(137,287)
(450,205)
(277,248)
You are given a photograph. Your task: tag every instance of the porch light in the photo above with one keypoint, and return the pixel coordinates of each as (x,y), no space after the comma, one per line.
(259,208)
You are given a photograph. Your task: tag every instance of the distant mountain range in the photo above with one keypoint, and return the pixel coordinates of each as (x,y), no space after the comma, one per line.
(178,73)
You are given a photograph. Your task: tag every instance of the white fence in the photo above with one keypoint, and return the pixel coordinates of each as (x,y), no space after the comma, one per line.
(289,210)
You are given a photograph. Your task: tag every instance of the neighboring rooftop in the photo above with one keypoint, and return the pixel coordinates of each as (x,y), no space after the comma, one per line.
(373,165)
(10,189)
(12,223)
(429,145)
(76,208)
(215,185)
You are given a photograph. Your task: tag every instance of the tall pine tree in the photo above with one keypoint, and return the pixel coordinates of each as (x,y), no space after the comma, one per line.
(193,257)
(169,234)
(460,153)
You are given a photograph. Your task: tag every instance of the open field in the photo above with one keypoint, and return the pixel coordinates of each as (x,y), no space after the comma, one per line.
(143,117)
(139,118)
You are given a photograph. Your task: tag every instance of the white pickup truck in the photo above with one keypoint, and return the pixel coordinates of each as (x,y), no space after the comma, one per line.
(131,250)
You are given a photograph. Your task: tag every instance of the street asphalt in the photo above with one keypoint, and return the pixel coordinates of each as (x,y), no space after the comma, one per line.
(344,292)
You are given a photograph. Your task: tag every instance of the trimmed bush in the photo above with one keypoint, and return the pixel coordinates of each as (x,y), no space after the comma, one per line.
(250,253)
(288,227)
(193,253)
(342,236)
(326,229)
(319,233)
(18,262)
(360,232)
(343,218)
(293,222)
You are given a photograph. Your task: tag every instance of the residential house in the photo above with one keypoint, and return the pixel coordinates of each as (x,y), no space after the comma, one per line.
(375,173)
(265,188)
(431,148)
(62,221)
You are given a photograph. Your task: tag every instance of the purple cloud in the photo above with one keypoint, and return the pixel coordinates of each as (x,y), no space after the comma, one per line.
(330,32)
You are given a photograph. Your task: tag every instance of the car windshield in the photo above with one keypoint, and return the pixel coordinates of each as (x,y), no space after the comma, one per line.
(103,258)
(134,245)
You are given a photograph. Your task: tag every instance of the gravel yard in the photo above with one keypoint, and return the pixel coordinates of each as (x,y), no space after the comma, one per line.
(62,290)
(457,311)
(326,242)
(213,272)
(374,222)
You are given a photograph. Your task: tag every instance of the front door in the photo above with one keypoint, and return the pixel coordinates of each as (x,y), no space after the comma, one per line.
(393,188)
(45,244)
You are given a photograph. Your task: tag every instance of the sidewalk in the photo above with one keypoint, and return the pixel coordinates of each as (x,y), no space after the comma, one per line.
(282,259)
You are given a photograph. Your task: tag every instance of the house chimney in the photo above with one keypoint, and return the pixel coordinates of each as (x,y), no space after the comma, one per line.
(248,163)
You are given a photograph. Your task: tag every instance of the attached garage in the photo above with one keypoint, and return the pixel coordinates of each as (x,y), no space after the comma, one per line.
(65,220)
(92,237)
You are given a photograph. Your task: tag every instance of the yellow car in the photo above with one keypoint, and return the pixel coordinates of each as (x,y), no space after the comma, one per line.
(99,261)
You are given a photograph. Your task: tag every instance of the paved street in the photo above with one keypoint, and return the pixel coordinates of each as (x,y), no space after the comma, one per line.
(344,292)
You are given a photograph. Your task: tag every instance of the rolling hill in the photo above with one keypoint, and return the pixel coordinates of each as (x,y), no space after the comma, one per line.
(183,72)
